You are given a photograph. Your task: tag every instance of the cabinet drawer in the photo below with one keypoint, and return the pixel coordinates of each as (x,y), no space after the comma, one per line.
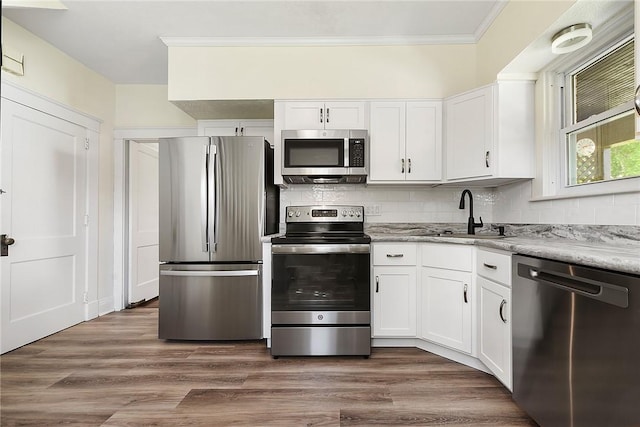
(450,257)
(494,265)
(394,254)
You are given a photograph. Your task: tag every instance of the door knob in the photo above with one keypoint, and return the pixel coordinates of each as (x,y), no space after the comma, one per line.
(5,242)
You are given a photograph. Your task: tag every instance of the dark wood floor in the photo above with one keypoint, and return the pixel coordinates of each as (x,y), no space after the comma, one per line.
(114,371)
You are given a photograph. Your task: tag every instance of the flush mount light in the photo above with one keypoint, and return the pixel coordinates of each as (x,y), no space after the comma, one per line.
(571,38)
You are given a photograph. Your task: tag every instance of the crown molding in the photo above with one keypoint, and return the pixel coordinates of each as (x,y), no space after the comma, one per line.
(315,41)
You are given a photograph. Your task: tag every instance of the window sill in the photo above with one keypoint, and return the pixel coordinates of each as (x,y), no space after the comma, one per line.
(620,186)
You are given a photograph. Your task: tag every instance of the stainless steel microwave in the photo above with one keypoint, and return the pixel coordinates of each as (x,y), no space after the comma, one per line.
(325,156)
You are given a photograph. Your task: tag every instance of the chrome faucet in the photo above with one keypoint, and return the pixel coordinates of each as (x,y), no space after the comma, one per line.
(471,223)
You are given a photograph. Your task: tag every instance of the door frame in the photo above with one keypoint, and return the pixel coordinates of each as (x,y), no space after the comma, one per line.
(122,138)
(46,105)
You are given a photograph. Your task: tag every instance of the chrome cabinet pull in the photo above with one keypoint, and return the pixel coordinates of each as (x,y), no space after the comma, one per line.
(486,159)
(492,267)
(321,116)
(395,255)
(409,162)
(236,132)
(377,283)
(502,305)
(466,300)
(402,165)
(242,131)
(327,114)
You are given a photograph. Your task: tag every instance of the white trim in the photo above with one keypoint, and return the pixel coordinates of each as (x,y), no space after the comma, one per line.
(49,106)
(439,350)
(317,41)
(104,306)
(120,146)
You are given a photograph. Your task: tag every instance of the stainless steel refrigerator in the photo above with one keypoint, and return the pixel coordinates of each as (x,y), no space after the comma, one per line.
(217,199)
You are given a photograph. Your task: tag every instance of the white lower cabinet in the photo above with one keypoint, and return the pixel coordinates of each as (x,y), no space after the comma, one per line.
(446,295)
(394,290)
(445,305)
(493,279)
(495,329)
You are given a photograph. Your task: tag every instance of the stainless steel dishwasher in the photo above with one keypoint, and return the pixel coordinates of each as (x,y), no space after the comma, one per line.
(576,344)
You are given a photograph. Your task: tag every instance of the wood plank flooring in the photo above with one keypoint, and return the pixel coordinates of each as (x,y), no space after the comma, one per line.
(114,371)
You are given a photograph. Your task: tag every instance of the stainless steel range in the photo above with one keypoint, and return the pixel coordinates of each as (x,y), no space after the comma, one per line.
(320,291)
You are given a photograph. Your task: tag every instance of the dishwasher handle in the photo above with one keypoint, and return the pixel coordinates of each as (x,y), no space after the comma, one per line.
(604,292)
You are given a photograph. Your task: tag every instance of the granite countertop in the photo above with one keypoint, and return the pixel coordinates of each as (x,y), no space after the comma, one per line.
(614,248)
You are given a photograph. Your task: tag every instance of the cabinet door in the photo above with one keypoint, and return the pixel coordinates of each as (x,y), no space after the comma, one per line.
(394,302)
(446,298)
(257,128)
(303,115)
(495,329)
(424,141)
(387,142)
(344,115)
(469,134)
(218,127)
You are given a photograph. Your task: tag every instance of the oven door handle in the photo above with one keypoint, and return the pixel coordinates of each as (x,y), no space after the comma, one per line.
(356,248)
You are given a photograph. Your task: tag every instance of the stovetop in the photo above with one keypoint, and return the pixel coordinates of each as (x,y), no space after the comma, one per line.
(324,225)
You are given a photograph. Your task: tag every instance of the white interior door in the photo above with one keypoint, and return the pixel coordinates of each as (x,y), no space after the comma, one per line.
(43,207)
(143,221)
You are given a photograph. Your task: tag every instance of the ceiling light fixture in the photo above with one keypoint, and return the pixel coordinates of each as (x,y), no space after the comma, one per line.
(571,38)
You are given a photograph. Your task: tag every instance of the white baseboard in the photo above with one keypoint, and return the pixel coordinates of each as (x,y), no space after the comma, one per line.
(91,310)
(447,353)
(105,306)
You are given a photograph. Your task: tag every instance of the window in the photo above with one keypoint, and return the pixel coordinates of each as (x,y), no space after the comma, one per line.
(599,127)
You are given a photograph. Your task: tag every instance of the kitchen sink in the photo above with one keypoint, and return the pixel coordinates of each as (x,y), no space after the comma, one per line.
(471,236)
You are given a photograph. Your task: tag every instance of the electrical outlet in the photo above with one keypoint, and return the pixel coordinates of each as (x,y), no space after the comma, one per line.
(372,210)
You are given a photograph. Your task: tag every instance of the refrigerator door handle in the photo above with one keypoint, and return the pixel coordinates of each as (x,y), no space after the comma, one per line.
(213,196)
(217,273)
(203,201)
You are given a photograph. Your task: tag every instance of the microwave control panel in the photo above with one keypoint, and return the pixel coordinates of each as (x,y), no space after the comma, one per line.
(356,152)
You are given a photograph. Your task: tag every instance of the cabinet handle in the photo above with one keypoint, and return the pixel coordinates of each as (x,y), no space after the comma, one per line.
(395,255)
(493,267)
(236,132)
(327,114)
(502,304)
(465,294)
(409,164)
(402,165)
(242,131)
(486,159)
(321,116)
(377,283)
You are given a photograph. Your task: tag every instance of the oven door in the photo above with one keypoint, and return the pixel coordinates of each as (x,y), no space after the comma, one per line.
(320,284)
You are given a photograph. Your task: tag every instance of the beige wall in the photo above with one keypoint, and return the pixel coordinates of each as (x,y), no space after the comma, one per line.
(518,25)
(320,72)
(147,106)
(55,75)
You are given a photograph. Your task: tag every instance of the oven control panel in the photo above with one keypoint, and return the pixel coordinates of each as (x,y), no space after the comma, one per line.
(324,214)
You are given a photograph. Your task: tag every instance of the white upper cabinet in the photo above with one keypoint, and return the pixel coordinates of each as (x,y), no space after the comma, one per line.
(324,115)
(236,128)
(489,133)
(405,141)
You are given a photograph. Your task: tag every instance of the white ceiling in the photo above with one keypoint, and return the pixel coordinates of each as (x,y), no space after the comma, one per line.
(121,39)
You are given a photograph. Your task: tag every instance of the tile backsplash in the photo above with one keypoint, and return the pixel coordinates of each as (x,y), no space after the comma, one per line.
(506,204)
(395,203)
(512,205)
